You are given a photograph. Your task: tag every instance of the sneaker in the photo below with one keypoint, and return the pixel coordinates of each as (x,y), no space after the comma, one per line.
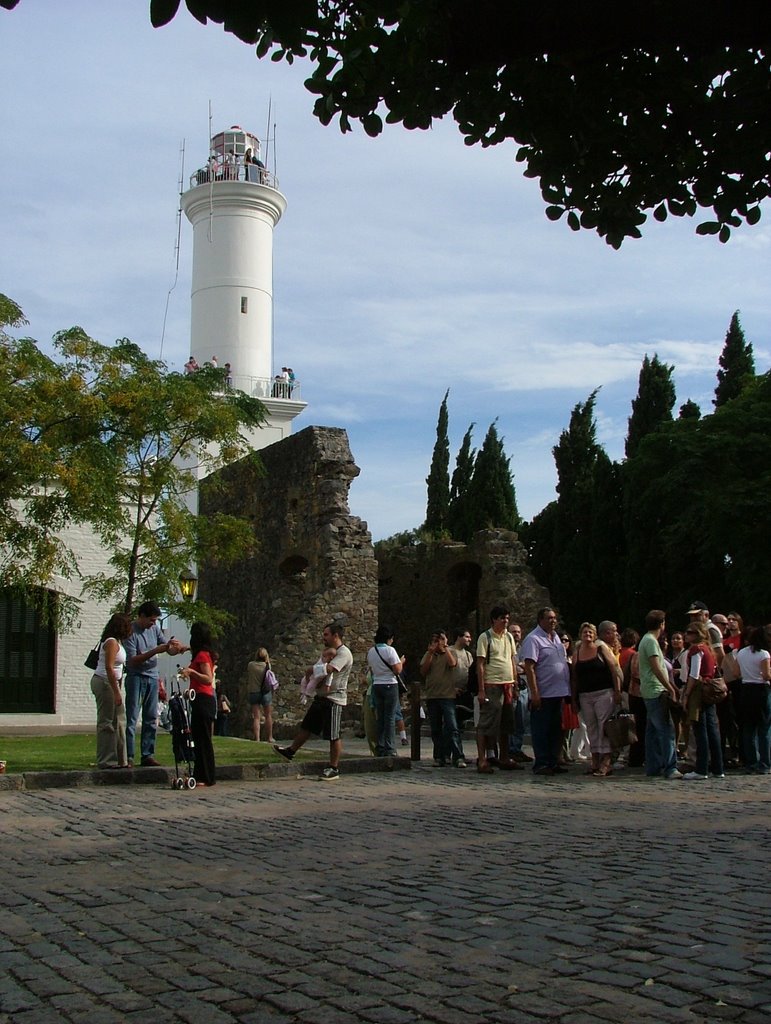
(559,769)
(460,763)
(522,757)
(438,763)
(721,775)
(694,776)
(330,774)
(150,762)
(679,775)
(405,742)
(286,752)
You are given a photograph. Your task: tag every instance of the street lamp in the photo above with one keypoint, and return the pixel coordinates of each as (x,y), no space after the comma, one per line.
(188,581)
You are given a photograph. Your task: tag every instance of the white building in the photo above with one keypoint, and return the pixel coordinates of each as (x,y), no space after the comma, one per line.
(233,204)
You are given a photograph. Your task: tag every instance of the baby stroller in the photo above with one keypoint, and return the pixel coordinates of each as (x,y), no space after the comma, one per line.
(181,735)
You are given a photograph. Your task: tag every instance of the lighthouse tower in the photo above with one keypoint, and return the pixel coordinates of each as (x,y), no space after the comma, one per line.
(234,204)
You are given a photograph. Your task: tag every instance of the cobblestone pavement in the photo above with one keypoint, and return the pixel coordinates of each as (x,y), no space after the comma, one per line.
(425,895)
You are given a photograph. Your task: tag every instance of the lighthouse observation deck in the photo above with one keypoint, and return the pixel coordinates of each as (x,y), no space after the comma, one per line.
(216,172)
(235,155)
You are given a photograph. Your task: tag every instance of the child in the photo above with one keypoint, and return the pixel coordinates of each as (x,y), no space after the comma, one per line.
(315,674)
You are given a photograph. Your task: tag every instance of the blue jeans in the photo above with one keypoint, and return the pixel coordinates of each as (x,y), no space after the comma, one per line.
(444,729)
(385,697)
(141,692)
(756,726)
(521,719)
(708,747)
(546,732)
(660,749)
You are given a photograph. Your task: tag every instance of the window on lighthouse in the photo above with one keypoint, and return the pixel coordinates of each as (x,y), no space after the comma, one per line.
(244,304)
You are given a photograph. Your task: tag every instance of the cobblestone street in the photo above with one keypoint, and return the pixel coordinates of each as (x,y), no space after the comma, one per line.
(430,894)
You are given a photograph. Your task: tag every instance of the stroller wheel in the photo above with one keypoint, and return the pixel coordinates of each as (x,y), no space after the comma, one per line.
(191,783)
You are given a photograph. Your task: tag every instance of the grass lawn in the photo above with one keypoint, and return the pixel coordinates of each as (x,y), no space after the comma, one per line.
(77,751)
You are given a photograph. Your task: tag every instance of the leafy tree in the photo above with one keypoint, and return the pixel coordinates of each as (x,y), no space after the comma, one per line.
(492,501)
(54,466)
(460,509)
(438,479)
(616,112)
(104,435)
(652,408)
(737,364)
(169,429)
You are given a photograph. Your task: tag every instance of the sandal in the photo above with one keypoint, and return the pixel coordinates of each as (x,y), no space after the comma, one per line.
(485,769)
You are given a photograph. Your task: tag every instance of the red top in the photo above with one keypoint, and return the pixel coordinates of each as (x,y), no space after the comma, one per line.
(708,661)
(197,664)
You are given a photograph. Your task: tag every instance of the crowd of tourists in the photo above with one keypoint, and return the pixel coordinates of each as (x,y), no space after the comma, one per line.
(697,699)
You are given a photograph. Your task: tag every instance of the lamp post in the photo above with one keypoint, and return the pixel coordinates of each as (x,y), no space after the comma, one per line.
(188,581)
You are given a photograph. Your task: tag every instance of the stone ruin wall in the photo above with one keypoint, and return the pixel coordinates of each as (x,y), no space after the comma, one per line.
(449,584)
(314,563)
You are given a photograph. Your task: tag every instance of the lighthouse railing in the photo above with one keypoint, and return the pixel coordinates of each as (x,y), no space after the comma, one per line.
(233,172)
(267,387)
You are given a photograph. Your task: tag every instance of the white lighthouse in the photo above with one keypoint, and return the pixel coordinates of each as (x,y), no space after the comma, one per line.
(234,204)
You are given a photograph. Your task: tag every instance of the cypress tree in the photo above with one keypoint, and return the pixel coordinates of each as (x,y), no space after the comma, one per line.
(459,517)
(737,364)
(493,503)
(653,406)
(689,411)
(438,479)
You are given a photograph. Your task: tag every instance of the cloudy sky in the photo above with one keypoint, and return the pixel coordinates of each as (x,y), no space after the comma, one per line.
(403,265)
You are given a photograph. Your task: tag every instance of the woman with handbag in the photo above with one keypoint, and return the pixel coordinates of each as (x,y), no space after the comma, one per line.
(702,666)
(596,681)
(260,696)
(106,688)
(386,666)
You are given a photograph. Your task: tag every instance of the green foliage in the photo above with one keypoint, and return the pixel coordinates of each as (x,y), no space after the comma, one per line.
(652,408)
(460,515)
(492,502)
(107,436)
(614,117)
(577,539)
(438,479)
(689,411)
(403,539)
(737,364)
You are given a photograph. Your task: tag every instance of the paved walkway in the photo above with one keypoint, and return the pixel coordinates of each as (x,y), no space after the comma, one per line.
(425,895)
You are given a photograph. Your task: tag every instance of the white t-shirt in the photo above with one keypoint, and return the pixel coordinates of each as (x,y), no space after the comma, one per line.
(119,664)
(749,662)
(379,658)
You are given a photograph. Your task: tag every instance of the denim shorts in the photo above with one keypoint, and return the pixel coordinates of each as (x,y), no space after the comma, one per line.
(261,699)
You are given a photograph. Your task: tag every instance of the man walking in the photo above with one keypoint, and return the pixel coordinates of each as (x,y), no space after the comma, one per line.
(548,681)
(656,690)
(143,646)
(325,715)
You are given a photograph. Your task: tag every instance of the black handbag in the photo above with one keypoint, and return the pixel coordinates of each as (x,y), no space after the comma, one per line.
(93,656)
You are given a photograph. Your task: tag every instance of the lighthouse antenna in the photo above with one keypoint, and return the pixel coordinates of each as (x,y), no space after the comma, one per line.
(210,232)
(180,186)
(267,134)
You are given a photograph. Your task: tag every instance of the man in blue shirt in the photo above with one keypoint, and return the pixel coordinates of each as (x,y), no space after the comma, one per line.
(143,646)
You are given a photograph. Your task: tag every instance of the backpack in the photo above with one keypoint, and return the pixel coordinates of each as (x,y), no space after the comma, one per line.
(269,683)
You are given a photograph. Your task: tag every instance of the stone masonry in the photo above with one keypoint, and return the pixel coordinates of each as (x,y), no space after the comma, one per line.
(448,584)
(314,563)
